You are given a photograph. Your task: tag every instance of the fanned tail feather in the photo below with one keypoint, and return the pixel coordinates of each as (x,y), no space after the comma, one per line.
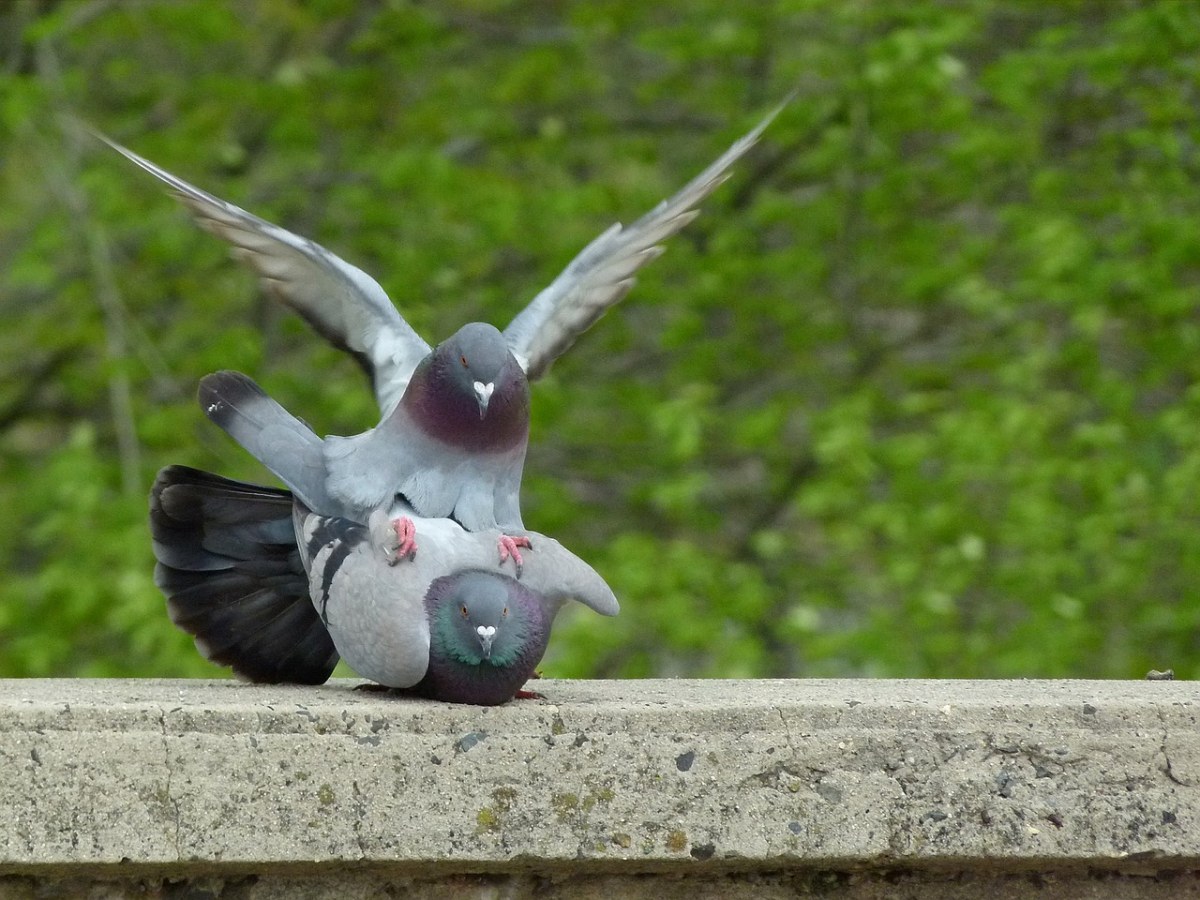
(232,575)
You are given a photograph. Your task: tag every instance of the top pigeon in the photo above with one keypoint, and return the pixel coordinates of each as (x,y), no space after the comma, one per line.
(455,418)
(349,308)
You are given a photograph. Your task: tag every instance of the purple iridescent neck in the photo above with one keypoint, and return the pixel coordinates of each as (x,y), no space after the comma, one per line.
(446,408)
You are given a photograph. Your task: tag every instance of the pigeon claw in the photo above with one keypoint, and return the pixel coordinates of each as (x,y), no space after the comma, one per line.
(370,687)
(523,694)
(406,540)
(509,547)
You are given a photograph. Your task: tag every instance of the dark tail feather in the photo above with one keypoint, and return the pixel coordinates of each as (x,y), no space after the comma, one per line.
(230,569)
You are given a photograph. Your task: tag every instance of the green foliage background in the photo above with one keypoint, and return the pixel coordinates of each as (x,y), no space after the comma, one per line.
(916,396)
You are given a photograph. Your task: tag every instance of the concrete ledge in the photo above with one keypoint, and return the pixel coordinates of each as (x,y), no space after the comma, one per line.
(720,788)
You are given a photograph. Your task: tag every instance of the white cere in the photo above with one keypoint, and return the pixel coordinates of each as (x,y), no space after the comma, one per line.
(484,390)
(486,631)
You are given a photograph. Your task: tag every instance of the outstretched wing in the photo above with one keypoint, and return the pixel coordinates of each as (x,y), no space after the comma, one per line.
(343,303)
(604,271)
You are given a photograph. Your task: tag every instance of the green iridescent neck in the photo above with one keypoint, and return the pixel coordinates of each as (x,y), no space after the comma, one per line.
(448,641)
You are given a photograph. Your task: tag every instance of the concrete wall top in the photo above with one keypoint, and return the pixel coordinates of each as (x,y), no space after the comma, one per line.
(602,776)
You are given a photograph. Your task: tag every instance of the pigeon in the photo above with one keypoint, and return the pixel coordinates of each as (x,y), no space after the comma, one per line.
(455,418)
(280,593)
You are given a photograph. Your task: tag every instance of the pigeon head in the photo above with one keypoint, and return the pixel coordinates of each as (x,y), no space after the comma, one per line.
(487,633)
(477,356)
(481,625)
(471,391)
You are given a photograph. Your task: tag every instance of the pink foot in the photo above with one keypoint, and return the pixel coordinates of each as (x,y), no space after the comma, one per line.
(523,694)
(406,540)
(509,549)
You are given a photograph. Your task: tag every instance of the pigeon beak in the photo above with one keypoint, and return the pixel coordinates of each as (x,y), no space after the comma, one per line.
(483,394)
(487,634)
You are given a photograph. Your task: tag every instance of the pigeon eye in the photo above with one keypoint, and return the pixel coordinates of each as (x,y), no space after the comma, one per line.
(463,360)
(504,612)
(463,610)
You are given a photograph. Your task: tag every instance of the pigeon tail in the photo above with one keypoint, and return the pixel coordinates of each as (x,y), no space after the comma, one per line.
(269,433)
(231,571)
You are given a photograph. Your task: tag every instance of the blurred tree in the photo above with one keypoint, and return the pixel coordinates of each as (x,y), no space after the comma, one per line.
(916,396)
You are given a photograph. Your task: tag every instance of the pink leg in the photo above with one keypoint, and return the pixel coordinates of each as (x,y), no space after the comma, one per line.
(406,540)
(509,549)
(525,693)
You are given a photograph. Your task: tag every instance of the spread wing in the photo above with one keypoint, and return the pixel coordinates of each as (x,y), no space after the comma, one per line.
(343,303)
(604,271)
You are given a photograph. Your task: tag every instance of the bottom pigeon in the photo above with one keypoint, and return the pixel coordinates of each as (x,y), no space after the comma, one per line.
(277,592)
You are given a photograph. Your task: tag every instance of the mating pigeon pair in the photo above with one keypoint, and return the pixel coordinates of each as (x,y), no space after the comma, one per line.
(443,466)
(277,592)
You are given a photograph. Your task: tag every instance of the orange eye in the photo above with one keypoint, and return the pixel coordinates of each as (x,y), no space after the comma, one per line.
(463,610)
(504,612)
(463,360)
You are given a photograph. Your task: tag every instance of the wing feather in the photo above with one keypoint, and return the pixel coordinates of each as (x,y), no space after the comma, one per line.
(340,301)
(604,271)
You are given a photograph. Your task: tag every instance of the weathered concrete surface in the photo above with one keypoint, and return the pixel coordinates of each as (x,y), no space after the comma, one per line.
(779,788)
